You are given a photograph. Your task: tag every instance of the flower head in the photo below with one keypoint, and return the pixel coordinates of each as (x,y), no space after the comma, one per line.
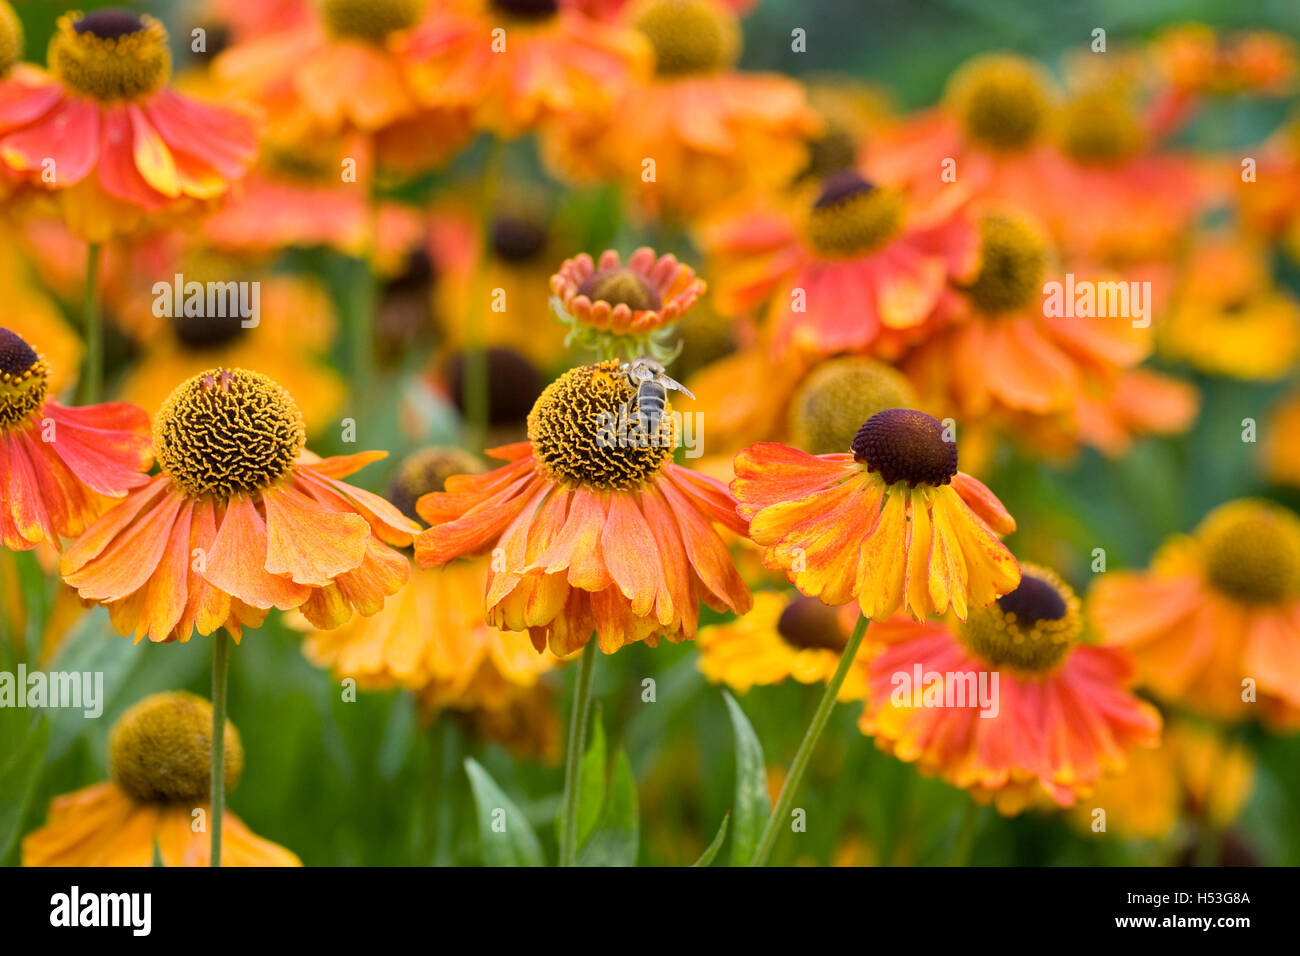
(159,755)
(1216,609)
(126,147)
(60,467)
(891,524)
(241,519)
(1010,705)
(593,527)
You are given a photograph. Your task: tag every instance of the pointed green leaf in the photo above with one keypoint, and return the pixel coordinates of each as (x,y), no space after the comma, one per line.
(18,775)
(591,781)
(504,835)
(711,851)
(616,840)
(752,803)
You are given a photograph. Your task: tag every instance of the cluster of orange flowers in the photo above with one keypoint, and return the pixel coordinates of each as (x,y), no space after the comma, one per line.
(990,273)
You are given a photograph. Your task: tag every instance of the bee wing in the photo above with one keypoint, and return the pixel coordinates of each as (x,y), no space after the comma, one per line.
(667,382)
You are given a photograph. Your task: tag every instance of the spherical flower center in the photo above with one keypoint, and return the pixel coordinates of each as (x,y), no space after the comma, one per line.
(1100,128)
(513,385)
(689,36)
(831,403)
(426,471)
(1002,102)
(227,432)
(808,624)
(852,217)
(111,55)
(620,285)
(1252,552)
(160,750)
(834,151)
(517,238)
(203,333)
(370,20)
(23,379)
(11,37)
(527,9)
(902,444)
(585,430)
(1030,629)
(1013,258)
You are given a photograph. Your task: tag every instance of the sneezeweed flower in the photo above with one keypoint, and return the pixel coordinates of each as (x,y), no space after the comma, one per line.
(241,519)
(1214,623)
(891,524)
(126,150)
(608,302)
(1004,354)
(520,64)
(861,268)
(1228,317)
(158,753)
(709,130)
(781,639)
(593,531)
(60,467)
(1059,717)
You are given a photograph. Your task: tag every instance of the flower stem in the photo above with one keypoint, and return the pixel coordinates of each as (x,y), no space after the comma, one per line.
(92,379)
(220,652)
(573,759)
(964,844)
(781,811)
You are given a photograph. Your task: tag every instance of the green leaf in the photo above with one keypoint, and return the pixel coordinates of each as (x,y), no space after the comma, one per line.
(752,804)
(711,851)
(18,776)
(591,781)
(504,835)
(616,840)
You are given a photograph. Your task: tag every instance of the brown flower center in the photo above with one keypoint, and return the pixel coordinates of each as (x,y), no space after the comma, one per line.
(513,385)
(1031,628)
(902,444)
(426,471)
(852,217)
(518,239)
(160,750)
(111,55)
(808,624)
(23,379)
(619,285)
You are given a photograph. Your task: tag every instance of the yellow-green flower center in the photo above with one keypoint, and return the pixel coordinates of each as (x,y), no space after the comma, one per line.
(831,404)
(1013,258)
(227,432)
(111,55)
(852,217)
(1100,127)
(11,37)
(808,624)
(833,151)
(1252,551)
(621,286)
(160,750)
(902,444)
(1030,629)
(584,430)
(370,20)
(23,380)
(426,471)
(689,36)
(1001,101)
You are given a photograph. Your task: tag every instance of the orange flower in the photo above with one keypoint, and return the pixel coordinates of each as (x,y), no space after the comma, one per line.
(778,640)
(242,519)
(159,758)
(1215,623)
(123,147)
(639,298)
(862,271)
(520,63)
(592,528)
(892,524)
(1007,705)
(709,130)
(60,467)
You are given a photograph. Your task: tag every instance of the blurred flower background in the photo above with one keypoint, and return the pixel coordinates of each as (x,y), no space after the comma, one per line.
(848,208)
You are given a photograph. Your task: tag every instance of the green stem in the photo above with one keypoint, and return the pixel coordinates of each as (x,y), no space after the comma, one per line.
(220,653)
(781,811)
(964,844)
(573,759)
(92,379)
